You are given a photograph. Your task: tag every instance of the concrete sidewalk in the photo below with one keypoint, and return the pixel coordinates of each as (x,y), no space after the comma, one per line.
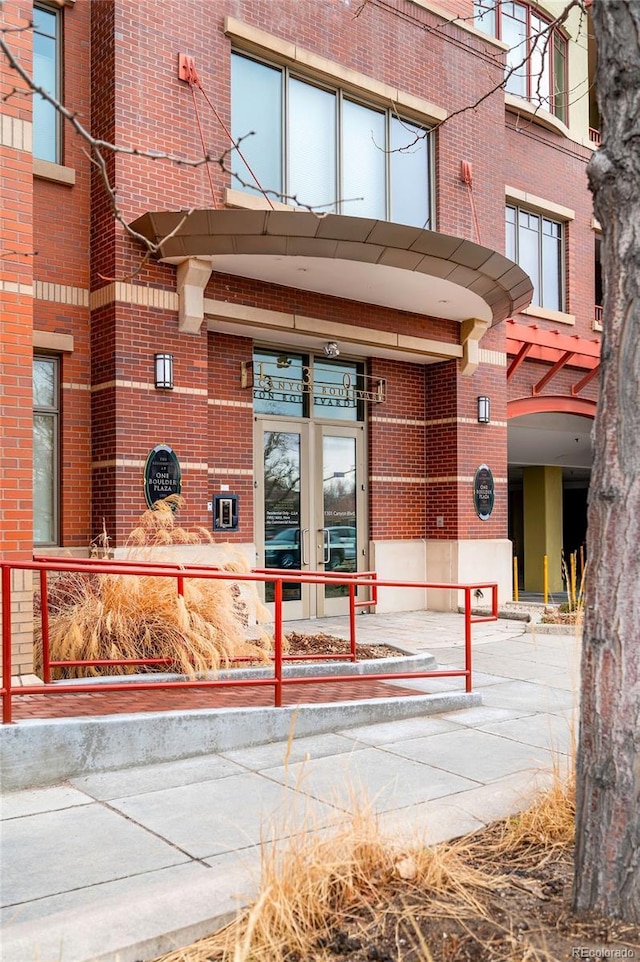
(128,864)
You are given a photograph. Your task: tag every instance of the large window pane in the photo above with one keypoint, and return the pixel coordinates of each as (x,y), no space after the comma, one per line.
(511,249)
(43,478)
(334,390)
(312,146)
(559,78)
(45,75)
(409,160)
(529,250)
(539,63)
(484,16)
(44,383)
(364,161)
(322,150)
(256,110)
(279,384)
(551,266)
(514,33)
(282,519)
(537,246)
(45,441)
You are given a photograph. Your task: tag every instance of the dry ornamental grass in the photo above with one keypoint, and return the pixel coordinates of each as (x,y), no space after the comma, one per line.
(98,617)
(499,895)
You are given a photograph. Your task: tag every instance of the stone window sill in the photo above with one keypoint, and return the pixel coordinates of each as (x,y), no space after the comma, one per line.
(56,173)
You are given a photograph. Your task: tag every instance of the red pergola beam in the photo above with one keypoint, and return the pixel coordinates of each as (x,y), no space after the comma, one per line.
(582,383)
(560,363)
(532,334)
(518,359)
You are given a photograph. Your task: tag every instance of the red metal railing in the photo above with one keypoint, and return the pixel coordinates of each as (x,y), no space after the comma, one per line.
(366,580)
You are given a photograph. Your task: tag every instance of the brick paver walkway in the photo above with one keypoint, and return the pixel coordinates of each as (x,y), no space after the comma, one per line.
(185,699)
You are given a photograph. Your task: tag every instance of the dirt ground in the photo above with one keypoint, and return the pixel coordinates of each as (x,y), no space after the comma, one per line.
(322,643)
(527,917)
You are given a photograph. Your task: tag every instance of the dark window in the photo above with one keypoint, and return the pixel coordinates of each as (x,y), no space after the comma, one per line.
(537,55)
(535,242)
(314,146)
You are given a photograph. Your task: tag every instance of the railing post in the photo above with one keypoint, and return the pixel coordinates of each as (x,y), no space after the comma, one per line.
(494,601)
(467,636)
(545,579)
(572,568)
(515,579)
(278,644)
(352,620)
(6,644)
(44,626)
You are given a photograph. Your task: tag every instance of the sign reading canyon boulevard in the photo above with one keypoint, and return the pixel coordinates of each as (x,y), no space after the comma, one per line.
(349,390)
(162,474)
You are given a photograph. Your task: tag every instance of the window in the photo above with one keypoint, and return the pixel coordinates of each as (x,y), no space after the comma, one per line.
(46,74)
(537,57)
(45,450)
(316,146)
(536,243)
(297,385)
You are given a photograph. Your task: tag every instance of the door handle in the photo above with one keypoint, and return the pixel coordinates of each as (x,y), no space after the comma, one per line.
(304,541)
(326,550)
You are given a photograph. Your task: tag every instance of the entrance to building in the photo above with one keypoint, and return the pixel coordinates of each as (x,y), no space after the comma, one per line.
(310,508)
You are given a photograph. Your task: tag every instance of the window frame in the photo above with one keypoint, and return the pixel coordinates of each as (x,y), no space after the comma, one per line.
(342,95)
(53,412)
(56,12)
(482,8)
(562,266)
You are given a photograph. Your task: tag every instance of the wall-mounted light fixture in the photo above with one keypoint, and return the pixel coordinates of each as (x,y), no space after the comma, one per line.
(163,371)
(484,410)
(331,349)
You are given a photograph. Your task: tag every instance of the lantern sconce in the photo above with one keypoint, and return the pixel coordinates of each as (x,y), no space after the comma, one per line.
(163,371)
(484,410)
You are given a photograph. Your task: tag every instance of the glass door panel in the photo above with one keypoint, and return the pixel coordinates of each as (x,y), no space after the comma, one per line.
(339,508)
(339,511)
(282,507)
(310,509)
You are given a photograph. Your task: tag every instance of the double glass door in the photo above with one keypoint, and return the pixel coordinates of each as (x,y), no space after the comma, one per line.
(310,508)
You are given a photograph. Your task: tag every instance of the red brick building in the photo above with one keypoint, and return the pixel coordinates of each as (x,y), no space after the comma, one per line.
(384,236)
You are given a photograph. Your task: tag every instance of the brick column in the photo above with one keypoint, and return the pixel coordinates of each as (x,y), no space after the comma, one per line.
(16,336)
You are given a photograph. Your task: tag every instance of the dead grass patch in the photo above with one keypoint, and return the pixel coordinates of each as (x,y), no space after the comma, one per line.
(500,895)
(111,617)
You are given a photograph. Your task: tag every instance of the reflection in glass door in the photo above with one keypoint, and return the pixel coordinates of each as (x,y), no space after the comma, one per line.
(339,507)
(310,509)
(339,510)
(283,537)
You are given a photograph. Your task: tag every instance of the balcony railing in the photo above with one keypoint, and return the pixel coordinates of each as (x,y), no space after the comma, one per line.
(594,136)
(598,314)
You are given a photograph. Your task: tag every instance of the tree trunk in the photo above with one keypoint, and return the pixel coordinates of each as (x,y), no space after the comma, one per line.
(607,865)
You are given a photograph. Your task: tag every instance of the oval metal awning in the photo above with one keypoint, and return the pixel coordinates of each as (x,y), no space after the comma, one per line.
(372,261)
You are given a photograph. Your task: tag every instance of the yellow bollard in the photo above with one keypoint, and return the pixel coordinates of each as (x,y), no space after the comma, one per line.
(515,578)
(545,579)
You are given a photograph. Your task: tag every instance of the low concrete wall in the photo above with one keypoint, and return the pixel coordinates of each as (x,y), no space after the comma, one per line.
(37,753)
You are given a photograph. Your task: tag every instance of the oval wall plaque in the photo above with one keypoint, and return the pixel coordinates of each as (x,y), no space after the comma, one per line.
(162,474)
(484,493)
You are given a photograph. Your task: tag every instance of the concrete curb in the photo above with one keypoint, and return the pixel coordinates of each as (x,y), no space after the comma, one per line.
(406,661)
(36,753)
(537,628)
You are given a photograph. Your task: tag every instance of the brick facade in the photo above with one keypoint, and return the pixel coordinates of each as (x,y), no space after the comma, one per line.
(120,78)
